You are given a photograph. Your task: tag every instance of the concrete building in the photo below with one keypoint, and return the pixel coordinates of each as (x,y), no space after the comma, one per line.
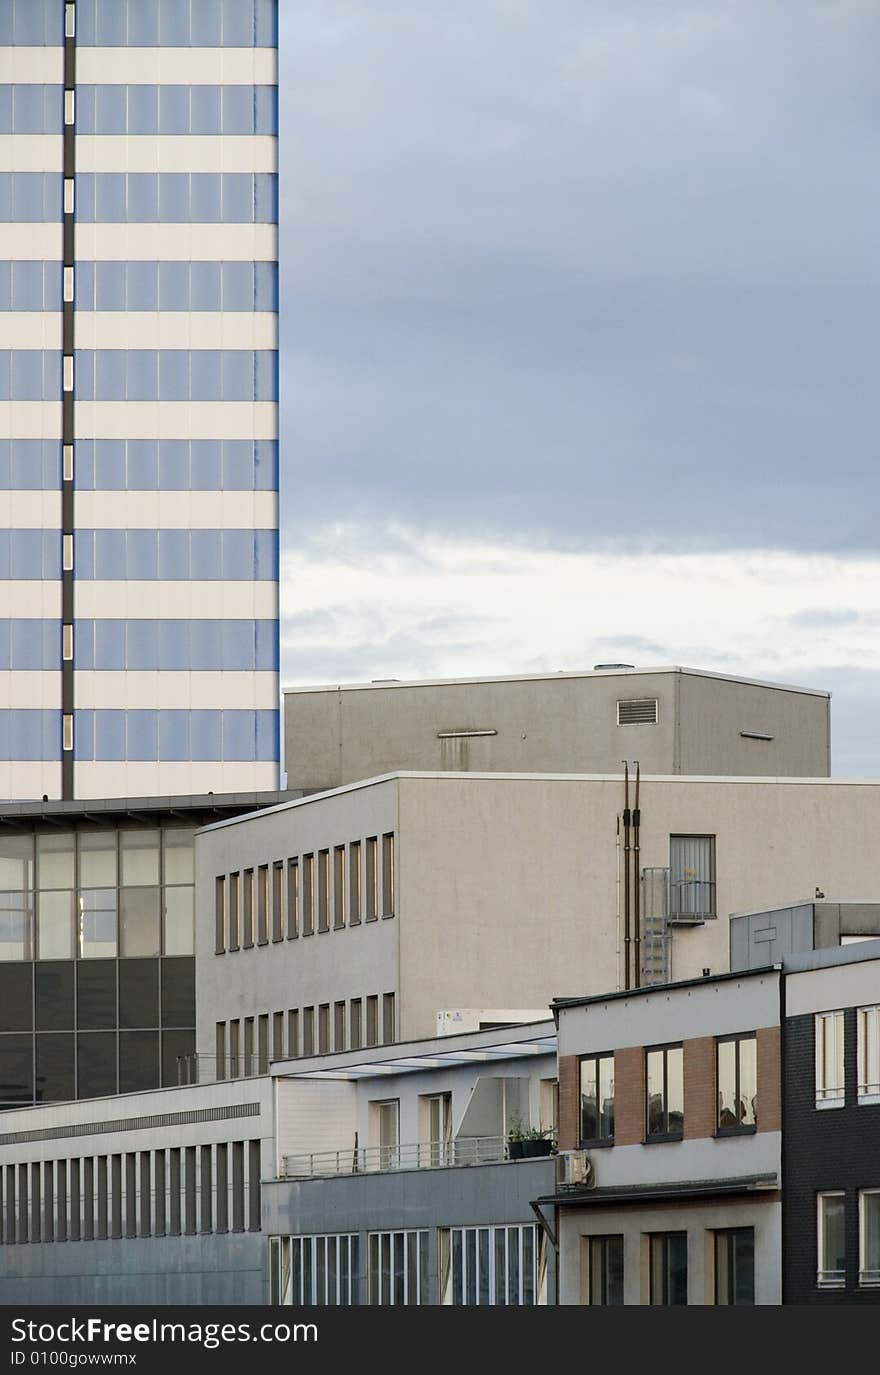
(366,914)
(675,1094)
(674,720)
(97,943)
(760,938)
(138,398)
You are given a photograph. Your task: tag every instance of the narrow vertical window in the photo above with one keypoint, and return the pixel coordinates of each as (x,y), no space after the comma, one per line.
(373,1020)
(68,296)
(220,1050)
(293,1033)
(70,21)
(278,1036)
(339,1027)
(234,1048)
(67,382)
(278,902)
(356,1030)
(388,1028)
(831,1240)
(67,553)
(354,883)
(665,1093)
(248,1046)
(232,932)
(67,643)
(668,1269)
(597,1098)
(292,899)
(869,1054)
(67,463)
(69,203)
(263,905)
(220,915)
(735,1266)
(323,889)
(829,1031)
(372,878)
(869,1238)
(388,875)
(324,1029)
(339,886)
(308,1031)
(70,107)
(308,895)
(737,1083)
(602,1271)
(238,1186)
(67,732)
(263,1044)
(247,933)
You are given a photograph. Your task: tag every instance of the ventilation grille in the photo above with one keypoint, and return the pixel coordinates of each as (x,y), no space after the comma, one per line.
(640,711)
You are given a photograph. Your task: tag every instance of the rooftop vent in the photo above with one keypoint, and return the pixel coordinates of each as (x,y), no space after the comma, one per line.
(598,667)
(638,711)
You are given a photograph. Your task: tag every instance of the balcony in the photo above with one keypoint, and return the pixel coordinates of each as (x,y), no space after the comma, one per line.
(421,1155)
(690,901)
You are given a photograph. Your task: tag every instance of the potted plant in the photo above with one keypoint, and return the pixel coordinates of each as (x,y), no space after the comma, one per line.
(525,1142)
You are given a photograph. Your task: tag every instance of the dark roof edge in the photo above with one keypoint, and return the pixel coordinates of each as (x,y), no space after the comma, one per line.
(708,979)
(640,1193)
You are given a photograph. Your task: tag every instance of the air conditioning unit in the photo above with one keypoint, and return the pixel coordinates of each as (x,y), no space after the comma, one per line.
(574,1170)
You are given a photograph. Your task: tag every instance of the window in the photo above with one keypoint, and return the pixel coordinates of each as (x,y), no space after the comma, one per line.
(398,1268)
(232,914)
(549,1107)
(354,882)
(248,1046)
(388,875)
(492,1266)
(220,916)
(831,1245)
(247,930)
(308,895)
(372,878)
(339,886)
(278,902)
(737,1080)
(314,1271)
(735,1266)
(387,1019)
(597,1098)
(829,1060)
(602,1271)
(293,1033)
(691,877)
(263,1044)
(869,1238)
(869,1054)
(385,1131)
(373,1021)
(292,899)
(220,1050)
(323,889)
(308,1047)
(263,905)
(668,1269)
(234,1029)
(665,1084)
(278,1036)
(339,1026)
(324,1029)
(435,1129)
(356,1033)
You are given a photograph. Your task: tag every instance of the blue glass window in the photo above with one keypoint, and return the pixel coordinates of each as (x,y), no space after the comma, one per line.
(27,286)
(143,198)
(174,465)
(109,198)
(206,111)
(110,109)
(204,203)
(149,645)
(205,286)
(173,285)
(206,739)
(142,286)
(173,646)
(173,109)
(30,197)
(143,109)
(109,644)
(142,465)
(206,463)
(30,734)
(142,735)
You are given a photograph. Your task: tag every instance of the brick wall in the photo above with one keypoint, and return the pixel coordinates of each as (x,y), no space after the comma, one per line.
(569,1103)
(699,1087)
(629,1096)
(769,1084)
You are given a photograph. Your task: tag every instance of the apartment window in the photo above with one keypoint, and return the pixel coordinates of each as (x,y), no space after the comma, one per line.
(668,1269)
(602,1271)
(234,1031)
(737,1080)
(388,875)
(691,877)
(339,1026)
(869,1238)
(308,895)
(339,887)
(247,930)
(308,1031)
(314,1271)
(830,1240)
(278,902)
(232,914)
(248,1046)
(597,1098)
(263,905)
(293,1033)
(829,1060)
(549,1106)
(665,1085)
(869,1054)
(354,883)
(220,1050)
(324,1029)
(735,1266)
(373,1021)
(292,899)
(398,1268)
(356,1025)
(388,1019)
(435,1129)
(385,1130)
(263,1044)
(220,916)
(492,1266)
(278,1036)
(372,878)
(323,890)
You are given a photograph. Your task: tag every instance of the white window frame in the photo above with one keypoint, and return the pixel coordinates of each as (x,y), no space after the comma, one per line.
(512,1237)
(830,1024)
(868,1019)
(288,1270)
(381,1287)
(868,1279)
(827,1279)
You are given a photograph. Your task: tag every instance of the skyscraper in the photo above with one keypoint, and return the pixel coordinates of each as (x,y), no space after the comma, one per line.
(138,397)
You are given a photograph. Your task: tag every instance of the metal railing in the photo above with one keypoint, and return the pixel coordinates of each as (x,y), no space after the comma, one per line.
(420,1155)
(691,900)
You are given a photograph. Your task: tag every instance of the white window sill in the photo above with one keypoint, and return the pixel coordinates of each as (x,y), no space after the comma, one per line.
(868,1099)
(823,1103)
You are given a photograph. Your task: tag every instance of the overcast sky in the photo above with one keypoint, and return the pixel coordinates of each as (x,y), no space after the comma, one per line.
(580,305)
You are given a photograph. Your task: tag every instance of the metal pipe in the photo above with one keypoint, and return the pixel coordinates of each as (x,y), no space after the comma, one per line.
(626,867)
(637,880)
(617,894)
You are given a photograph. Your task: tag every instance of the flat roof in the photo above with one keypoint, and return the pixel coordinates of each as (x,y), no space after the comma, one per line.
(708,979)
(829,956)
(640,1193)
(805,902)
(551,677)
(55,812)
(513,1042)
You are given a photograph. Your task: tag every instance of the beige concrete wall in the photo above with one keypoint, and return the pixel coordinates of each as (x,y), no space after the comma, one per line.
(565,723)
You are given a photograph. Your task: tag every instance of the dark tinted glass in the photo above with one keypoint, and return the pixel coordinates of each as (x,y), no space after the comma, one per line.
(178,1045)
(139,993)
(53,996)
(138,1060)
(96,1063)
(96,996)
(179,992)
(16,997)
(16,1069)
(55,1078)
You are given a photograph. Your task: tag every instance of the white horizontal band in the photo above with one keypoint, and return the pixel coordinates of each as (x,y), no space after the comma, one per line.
(30,419)
(136,779)
(32,66)
(170,690)
(133,510)
(176,419)
(30,779)
(198,243)
(129,599)
(30,510)
(164,153)
(30,329)
(24,688)
(133,66)
(42,242)
(32,597)
(33,153)
(169,329)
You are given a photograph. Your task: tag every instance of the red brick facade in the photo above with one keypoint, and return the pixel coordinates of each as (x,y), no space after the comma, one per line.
(569,1103)
(629,1096)
(699,1087)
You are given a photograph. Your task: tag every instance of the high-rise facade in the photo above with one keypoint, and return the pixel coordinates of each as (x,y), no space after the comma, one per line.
(138,397)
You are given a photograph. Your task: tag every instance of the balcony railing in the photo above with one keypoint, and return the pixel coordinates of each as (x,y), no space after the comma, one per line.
(691,900)
(421,1155)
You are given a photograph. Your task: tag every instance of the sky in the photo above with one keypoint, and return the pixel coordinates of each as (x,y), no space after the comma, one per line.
(580,305)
